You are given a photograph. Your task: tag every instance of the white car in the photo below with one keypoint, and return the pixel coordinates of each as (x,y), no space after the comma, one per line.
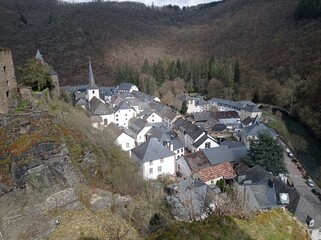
(287,150)
(290,155)
(310,182)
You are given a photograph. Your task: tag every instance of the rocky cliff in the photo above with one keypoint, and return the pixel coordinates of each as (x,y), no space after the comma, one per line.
(46,170)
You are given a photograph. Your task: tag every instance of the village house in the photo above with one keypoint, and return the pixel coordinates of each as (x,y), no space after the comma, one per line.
(212,164)
(138,129)
(126,87)
(193,104)
(155,159)
(244,108)
(263,191)
(166,137)
(192,136)
(101,113)
(121,138)
(251,132)
(123,113)
(191,200)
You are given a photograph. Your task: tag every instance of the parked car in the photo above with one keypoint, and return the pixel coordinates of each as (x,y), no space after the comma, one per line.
(287,150)
(290,155)
(316,191)
(310,182)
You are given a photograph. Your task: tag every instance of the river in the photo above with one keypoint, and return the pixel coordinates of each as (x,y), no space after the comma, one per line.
(311,157)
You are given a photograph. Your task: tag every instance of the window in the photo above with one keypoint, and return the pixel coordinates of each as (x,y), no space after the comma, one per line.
(116,119)
(4,68)
(126,114)
(150,163)
(93,92)
(177,151)
(105,122)
(182,150)
(208,145)
(162,160)
(151,171)
(116,115)
(159,169)
(127,145)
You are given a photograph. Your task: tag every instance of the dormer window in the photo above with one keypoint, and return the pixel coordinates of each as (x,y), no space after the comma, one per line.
(93,92)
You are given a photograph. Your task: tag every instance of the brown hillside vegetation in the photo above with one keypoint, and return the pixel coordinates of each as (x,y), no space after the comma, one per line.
(279,56)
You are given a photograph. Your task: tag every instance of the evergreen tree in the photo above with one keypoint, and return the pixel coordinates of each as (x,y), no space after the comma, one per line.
(237,73)
(266,152)
(146,67)
(184,107)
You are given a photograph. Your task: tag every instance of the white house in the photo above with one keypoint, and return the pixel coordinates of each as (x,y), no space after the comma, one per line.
(126,87)
(122,139)
(139,129)
(150,116)
(123,113)
(250,111)
(205,141)
(155,159)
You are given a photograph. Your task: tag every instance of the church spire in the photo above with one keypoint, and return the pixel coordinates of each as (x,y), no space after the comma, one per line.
(39,56)
(92,84)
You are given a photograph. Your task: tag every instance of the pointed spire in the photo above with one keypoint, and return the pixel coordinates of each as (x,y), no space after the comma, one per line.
(92,84)
(39,56)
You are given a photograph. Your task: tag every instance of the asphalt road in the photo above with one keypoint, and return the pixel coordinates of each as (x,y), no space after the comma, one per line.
(309,203)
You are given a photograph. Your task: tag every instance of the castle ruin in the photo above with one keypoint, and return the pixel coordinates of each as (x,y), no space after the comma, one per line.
(8,84)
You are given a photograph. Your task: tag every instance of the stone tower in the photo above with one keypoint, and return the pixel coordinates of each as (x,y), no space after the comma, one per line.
(8,84)
(53,75)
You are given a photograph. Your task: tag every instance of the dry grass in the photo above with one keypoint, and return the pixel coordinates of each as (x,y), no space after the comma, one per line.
(82,224)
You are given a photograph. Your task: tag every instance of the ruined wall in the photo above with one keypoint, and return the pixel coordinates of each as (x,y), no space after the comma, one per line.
(8,84)
(55,83)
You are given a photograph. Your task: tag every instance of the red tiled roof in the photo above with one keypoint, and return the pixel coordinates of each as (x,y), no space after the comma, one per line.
(224,170)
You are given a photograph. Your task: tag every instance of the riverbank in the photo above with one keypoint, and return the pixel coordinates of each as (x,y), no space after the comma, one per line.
(306,148)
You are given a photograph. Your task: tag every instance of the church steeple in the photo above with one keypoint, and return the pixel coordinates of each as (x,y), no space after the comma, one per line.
(92,84)
(92,89)
(39,56)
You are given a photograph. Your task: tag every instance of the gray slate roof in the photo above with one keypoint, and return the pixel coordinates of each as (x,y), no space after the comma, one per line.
(97,107)
(201,140)
(152,150)
(201,116)
(124,87)
(255,129)
(114,130)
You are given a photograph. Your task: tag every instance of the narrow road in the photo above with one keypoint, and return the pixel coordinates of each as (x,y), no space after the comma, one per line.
(309,203)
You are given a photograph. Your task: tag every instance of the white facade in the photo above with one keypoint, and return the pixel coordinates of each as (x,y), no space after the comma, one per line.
(122,116)
(141,136)
(107,119)
(125,142)
(244,114)
(190,141)
(154,118)
(159,167)
(208,143)
(90,93)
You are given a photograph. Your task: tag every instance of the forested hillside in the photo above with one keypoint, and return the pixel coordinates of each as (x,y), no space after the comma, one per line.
(275,45)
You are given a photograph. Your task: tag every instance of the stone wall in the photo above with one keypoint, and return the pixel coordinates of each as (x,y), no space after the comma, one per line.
(8,84)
